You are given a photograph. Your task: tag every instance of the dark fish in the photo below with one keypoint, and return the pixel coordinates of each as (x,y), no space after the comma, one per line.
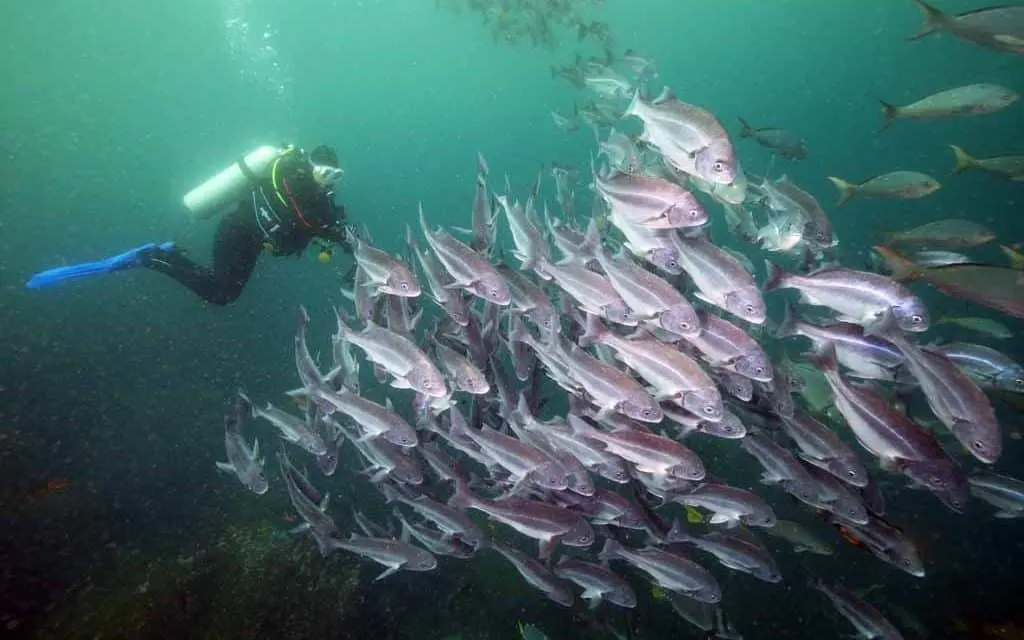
(786,143)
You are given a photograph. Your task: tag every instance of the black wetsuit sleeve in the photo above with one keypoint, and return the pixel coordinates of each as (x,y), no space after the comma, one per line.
(340,233)
(236,248)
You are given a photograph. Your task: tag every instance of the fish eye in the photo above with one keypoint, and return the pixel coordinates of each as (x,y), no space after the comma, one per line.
(979,445)
(718,166)
(1019,382)
(851,473)
(709,410)
(759,371)
(916,319)
(405,286)
(906,563)
(749,308)
(694,213)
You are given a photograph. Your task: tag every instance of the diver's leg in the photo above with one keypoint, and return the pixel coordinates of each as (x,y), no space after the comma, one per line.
(235,252)
(236,248)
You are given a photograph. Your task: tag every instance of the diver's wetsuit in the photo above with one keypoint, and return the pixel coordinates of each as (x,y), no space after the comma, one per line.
(282,213)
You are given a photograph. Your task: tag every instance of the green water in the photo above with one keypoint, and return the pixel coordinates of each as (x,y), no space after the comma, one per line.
(110,112)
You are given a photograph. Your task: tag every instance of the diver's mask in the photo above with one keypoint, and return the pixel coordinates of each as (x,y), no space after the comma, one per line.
(326,175)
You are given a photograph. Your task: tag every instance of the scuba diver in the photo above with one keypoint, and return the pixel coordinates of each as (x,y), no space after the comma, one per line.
(283,201)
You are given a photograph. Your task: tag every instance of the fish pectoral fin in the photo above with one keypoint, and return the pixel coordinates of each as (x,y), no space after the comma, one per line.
(547,547)
(387,572)
(300,529)
(883,323)
(592,596)
(703,298)
(401,383)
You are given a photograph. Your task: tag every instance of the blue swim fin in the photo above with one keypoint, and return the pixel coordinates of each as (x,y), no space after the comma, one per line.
(126,260)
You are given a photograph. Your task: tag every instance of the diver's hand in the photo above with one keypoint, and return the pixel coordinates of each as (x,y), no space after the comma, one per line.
(349,235)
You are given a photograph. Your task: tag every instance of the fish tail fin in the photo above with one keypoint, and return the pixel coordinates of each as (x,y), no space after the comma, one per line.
(889,113)
(595,329)
(963,160)
(676,533)
(747,129)
(591,242)
(423,222)
(846,190)
(789,323)
(902,268)
(462,499)
(776,276)
(609,551)
(934,20)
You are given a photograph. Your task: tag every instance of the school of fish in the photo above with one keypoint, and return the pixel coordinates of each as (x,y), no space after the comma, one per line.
(597,383)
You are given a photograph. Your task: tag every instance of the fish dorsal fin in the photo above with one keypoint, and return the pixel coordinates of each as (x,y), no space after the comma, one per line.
(666,95)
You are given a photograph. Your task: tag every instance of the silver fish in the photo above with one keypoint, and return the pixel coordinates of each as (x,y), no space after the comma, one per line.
(398,355)
(651,202)
(546,523)
(650,452)
(385,273)
(689,137)
(670,571)
(730,506)
(871,300)
(649,296)
(393,554)
(243,462)
(468,269)
(734,552)
(991,369)
(599,584)
(1002,492)
(537,575)
(720,278)
(955,399)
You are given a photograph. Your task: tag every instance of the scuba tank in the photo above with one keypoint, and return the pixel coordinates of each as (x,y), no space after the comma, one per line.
(225,188)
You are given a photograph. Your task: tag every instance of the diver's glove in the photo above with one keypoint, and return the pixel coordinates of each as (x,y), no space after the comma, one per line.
(136,257)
